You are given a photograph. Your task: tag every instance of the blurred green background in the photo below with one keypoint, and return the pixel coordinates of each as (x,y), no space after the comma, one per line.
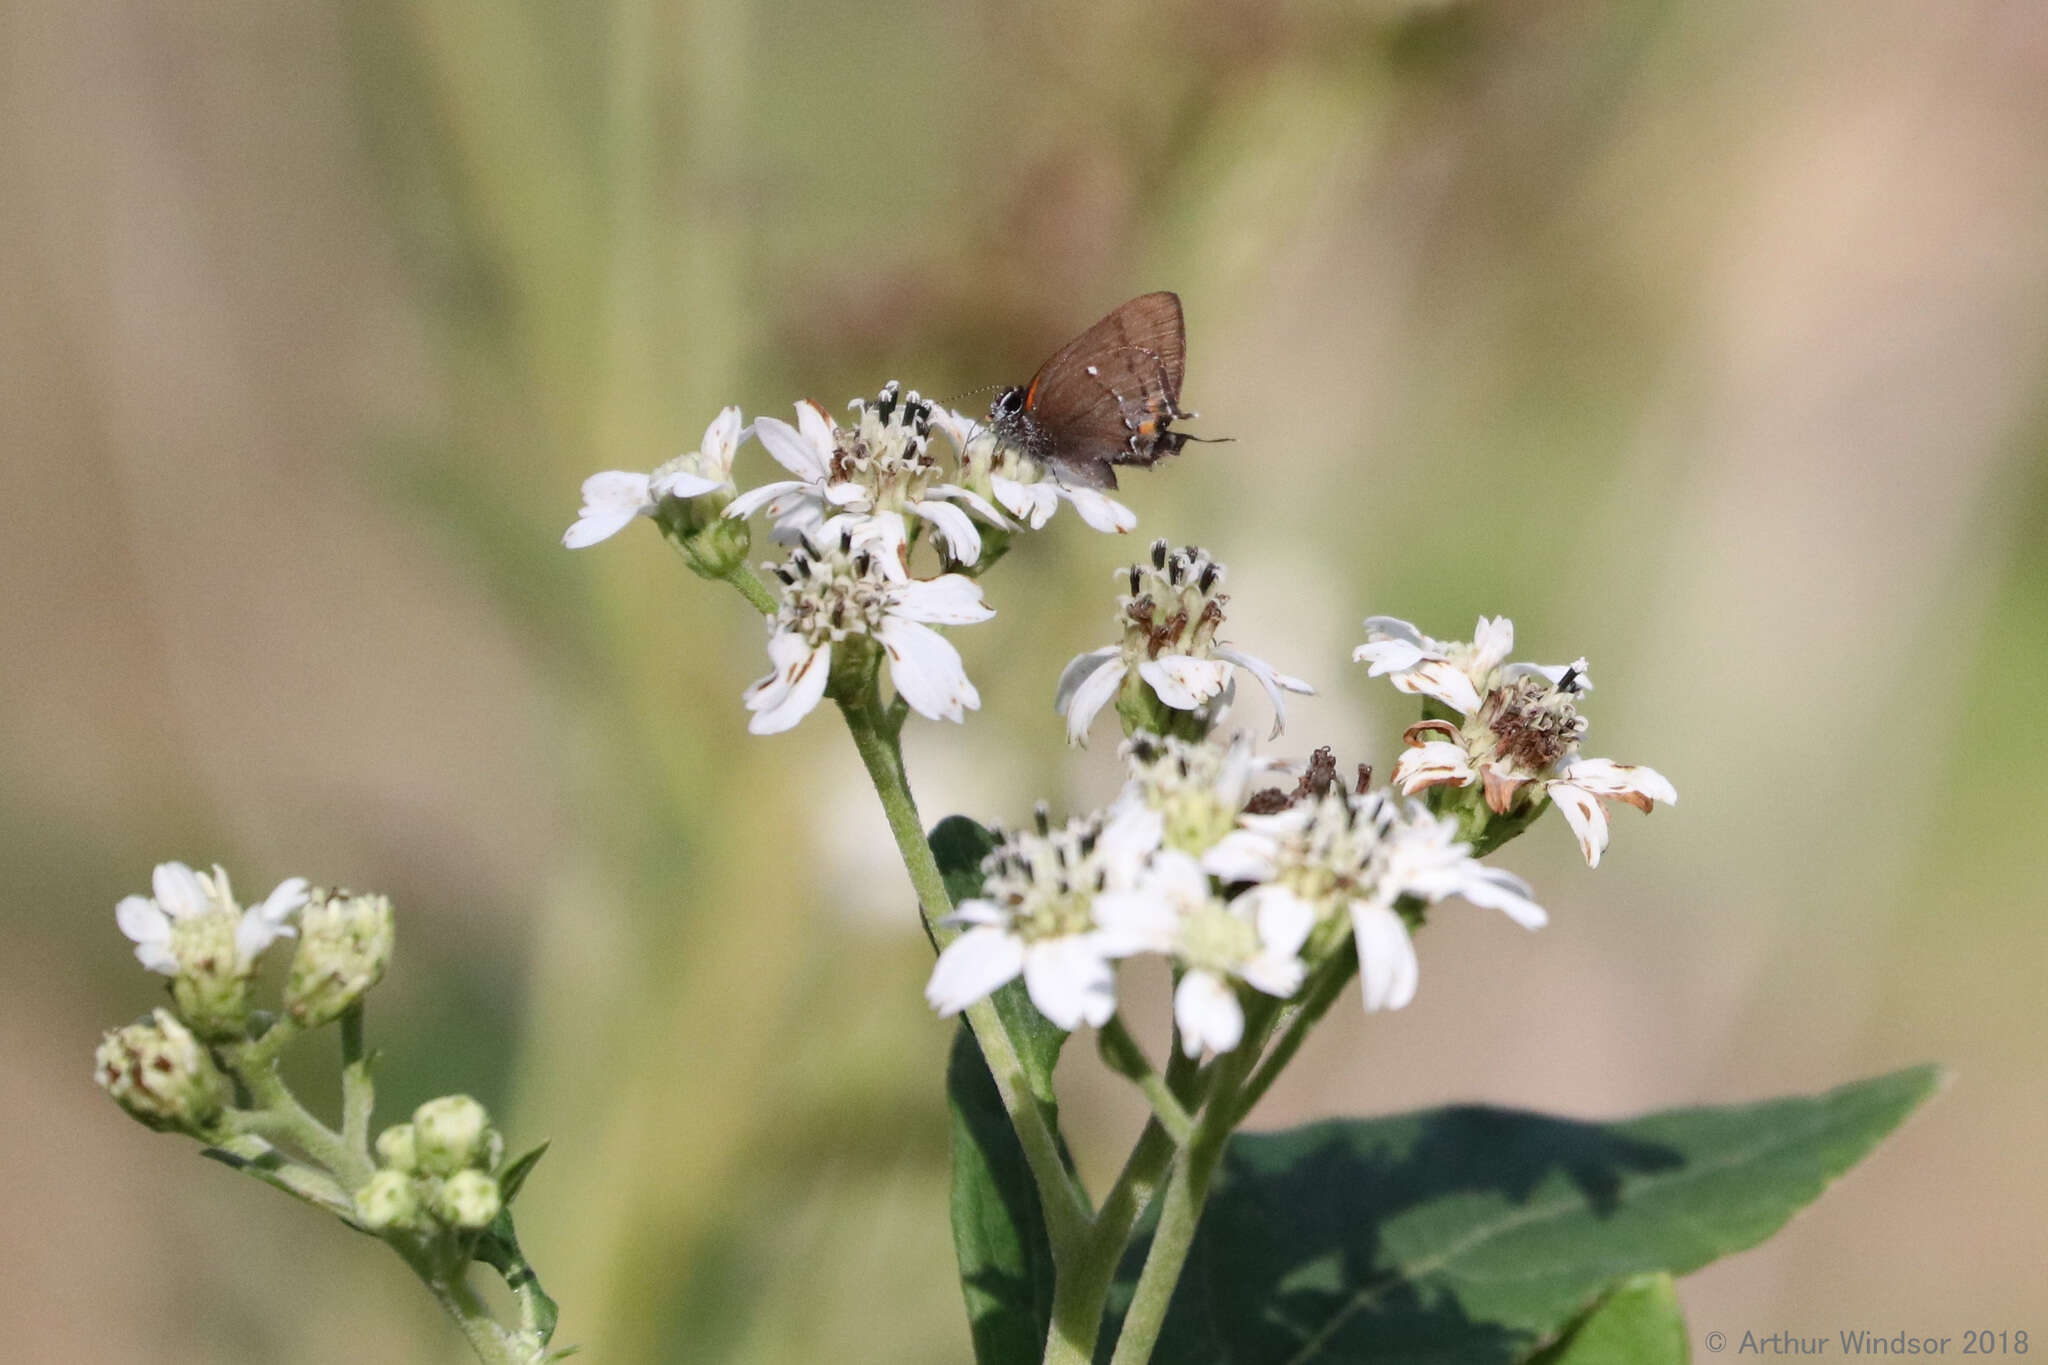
(1705,340)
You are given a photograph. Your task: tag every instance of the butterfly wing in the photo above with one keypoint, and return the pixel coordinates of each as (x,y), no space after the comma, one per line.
(1107,396)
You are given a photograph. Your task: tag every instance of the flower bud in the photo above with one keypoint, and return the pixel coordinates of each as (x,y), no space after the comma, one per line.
(396,1150)
(467,1199)
(162,1075)
(452,1133)
(212,985)
(387,1201)
(344,946)
(713,544)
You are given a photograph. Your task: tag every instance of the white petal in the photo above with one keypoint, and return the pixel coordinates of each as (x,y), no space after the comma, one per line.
(1206,1011)
(1387,969)
(975,503)
(1431,764)
(1587,817)
(1078,670)
(681,483)
(1496,889)
(954,527)
(1099,510)
(948,600)
(972,966)
(1183,681)
(1388,656)
(1605,777)
(1394,628)
(1070,981)
(610,501)
(1134,922)
(1090,691)
(1272,680)
(253,933)
(721,441)
(158,957)
(1552,673)
(284,901)
(1276,974)
(142,920)
(1242,855)
(977,912)
(754,499)
(1493,639)
(1284,919)
(1031,503)
(1134,832)
(180,891)
(787,695)
(819,430)
(926,670)
(791,450)
(1443,680)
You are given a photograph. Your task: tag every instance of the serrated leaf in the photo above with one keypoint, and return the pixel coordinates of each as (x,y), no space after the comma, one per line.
(1639,1323)
(516,1171)
(1477,1235)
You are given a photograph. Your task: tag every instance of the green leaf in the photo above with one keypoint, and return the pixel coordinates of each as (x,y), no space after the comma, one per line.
(999,1232)
(515,1172)
(1477,1235)
(999,1235)
(1640,1323)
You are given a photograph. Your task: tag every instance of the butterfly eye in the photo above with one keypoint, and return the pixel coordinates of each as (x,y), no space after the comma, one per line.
(1012,400)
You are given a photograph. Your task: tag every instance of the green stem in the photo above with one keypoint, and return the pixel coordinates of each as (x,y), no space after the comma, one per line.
(278,1116)
(753,589)
(358,1091)
(1067,1215)
(1122,1052)
(492,1343)
(1186,1192)
(1328,985)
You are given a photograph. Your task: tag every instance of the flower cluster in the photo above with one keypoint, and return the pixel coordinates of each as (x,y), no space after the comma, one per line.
(435,1172)
(1513,745)
(191,929)
(859,499)
(1169,659)
(1239,889)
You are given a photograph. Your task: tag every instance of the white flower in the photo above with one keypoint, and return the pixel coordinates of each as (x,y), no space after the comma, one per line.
(612,499)
(1350,857)
(193,918)
(1028,491)
(1169,619)
(1036,918)
(1197,788)
(873,473)
(1519,739)
(849,589)
(1172,910)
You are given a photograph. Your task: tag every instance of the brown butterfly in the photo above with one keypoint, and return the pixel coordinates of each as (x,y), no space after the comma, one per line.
(1108,397)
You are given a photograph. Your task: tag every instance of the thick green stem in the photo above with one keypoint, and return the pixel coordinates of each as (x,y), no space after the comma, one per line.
(278,1116)
(1067,1215)
(492,1343)
(1327,986)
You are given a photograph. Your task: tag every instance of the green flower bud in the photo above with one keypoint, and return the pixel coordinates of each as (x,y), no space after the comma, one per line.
(344,946)
(467,1199)
(396,1150)
(162,1075)
(452,1133)
(212,987)
(387,1201)
(712,543)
